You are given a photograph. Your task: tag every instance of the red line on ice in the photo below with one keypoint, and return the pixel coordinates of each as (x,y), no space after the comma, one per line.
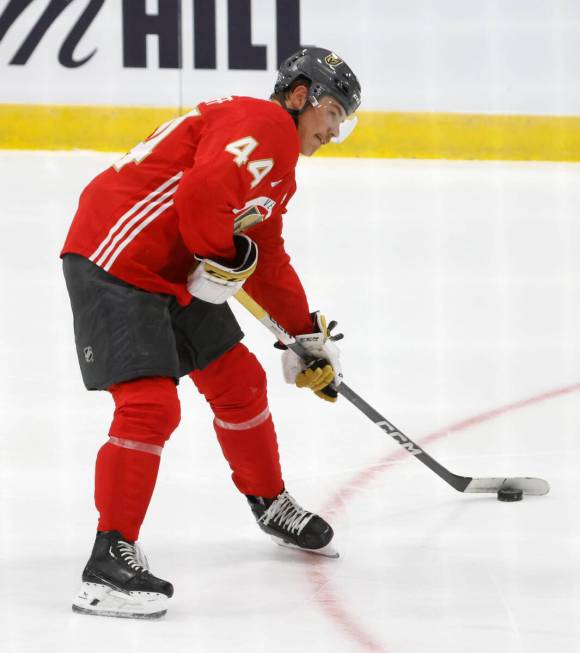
(325,596)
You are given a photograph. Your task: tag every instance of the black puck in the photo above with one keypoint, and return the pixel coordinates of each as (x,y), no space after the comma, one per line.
(510,494)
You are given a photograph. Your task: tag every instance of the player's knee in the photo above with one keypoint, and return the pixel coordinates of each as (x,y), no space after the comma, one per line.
(236,380)
(249,369)
(146,410)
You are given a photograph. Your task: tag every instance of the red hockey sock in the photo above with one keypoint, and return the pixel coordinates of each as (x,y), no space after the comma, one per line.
(124,483)
(252,454)
(235,387)
(146,413)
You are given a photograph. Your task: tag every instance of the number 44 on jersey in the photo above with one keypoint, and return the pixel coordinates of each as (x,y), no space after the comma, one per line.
(241,149)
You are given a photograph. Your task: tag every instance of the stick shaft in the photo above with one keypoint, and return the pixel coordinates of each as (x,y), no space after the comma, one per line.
(457,482)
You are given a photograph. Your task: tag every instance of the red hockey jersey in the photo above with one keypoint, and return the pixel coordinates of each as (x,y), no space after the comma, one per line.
(225,167)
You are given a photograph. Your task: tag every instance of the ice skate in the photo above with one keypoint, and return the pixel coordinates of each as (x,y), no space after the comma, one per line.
(117,582)
(291,526)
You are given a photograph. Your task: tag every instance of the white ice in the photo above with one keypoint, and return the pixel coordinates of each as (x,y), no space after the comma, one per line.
(458,288)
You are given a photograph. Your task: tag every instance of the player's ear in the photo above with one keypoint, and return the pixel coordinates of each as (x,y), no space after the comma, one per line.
(298,97)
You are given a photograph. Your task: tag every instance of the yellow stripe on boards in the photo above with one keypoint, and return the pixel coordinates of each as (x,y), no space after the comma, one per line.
(379,134)
(462,136)
(53,127)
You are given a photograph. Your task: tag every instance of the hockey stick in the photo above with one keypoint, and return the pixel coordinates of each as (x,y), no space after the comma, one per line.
(535,486)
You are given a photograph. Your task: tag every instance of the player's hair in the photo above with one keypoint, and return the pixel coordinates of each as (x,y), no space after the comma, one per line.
(299,81)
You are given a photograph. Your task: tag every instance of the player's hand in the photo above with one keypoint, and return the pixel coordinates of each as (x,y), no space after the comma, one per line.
(324,373)
(216,281)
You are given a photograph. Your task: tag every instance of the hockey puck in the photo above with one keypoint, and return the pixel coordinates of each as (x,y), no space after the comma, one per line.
(510,494)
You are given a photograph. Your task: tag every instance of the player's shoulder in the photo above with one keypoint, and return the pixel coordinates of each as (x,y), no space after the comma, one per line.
(269,127)
(263,116)
(264,110)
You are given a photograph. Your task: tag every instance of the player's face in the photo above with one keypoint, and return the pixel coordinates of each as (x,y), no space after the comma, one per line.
(320,123)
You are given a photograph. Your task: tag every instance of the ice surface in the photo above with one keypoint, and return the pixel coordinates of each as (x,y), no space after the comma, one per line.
(458,288)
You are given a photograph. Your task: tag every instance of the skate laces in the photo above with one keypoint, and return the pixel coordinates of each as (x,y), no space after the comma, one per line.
(287,513)
(141,557)
(133,555)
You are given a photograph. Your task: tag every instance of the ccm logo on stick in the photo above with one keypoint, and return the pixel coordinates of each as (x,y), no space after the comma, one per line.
(391,430)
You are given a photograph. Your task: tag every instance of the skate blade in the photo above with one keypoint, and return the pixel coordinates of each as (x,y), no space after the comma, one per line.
(103,601)
(327,551)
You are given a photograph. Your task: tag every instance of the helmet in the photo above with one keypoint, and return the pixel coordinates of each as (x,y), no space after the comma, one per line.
(327,73)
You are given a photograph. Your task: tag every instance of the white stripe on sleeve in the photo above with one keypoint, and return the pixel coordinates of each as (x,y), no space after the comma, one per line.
(120,222)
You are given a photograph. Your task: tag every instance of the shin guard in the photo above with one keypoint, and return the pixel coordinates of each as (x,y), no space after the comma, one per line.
(235,387)
(146,413)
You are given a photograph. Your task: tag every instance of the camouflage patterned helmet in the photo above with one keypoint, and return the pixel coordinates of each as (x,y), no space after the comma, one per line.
(327,73)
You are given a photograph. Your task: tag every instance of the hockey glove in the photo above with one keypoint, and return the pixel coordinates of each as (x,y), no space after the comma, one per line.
(324,373)
(216,281)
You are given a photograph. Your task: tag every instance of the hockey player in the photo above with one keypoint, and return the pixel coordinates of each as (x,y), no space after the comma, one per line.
(160,241)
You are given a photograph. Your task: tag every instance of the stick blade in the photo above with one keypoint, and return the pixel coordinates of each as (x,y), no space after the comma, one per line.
(532,486)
